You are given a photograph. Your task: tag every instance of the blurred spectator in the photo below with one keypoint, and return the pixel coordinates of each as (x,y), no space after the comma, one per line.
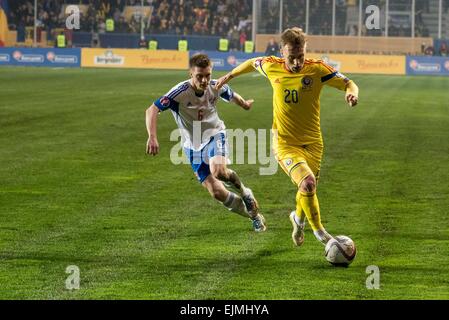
(429,51)
(353,31)
(234,38)
(443,49)
(134,25)
(101,26)
(68,33)
(117,15)
(95,40)
(142,43)
(122,25)
(21,33)
(272,48)
(243,38)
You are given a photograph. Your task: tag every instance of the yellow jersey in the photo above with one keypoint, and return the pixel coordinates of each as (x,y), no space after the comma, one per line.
(296,97)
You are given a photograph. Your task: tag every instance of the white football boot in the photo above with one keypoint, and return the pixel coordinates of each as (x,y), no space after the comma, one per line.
(253,209)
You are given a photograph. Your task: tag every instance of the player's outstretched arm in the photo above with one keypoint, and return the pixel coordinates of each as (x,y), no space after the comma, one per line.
(245,67)
(245,104)
(151,123)
(352,94)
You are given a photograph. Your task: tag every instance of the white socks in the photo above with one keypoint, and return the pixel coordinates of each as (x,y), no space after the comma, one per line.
(301,222)
(235,204)
(322,236)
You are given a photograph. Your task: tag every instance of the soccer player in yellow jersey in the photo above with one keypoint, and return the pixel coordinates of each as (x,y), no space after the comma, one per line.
(298,143)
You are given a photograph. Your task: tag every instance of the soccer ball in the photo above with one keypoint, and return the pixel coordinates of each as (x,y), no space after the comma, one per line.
(340,251)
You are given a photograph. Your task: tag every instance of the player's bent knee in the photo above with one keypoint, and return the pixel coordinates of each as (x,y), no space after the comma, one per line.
(308,184)
(220,172)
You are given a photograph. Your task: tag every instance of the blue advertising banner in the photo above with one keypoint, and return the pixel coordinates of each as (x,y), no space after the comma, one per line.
(427,65)
(226,61)
(47,57)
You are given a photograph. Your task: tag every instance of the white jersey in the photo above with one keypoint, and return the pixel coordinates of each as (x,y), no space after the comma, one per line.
(196,116)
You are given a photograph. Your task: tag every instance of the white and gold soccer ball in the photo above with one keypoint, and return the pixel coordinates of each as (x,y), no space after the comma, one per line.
(340,251)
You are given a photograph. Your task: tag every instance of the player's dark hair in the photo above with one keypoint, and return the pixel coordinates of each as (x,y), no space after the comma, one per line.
(294,37)
(200,60)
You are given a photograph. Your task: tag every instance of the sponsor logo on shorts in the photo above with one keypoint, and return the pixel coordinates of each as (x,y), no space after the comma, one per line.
(288,162)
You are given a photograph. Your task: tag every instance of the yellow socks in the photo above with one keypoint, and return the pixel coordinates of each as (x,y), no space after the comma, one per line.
(308,202)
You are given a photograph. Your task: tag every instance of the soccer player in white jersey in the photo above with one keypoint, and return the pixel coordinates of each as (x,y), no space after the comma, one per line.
(193,105)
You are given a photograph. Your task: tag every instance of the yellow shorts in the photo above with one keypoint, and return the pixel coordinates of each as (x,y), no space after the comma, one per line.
(300,161)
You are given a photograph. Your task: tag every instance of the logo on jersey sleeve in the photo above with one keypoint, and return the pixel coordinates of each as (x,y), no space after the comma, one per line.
(257,63)
(165,101)
(288,162)
(342,76)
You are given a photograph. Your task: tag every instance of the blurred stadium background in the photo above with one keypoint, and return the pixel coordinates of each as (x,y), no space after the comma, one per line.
(406,26)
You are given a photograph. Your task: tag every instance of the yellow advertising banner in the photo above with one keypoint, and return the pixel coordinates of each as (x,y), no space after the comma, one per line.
(134,58)
(356,63)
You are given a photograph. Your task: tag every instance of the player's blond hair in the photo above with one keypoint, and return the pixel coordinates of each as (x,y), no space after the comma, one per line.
(294,37)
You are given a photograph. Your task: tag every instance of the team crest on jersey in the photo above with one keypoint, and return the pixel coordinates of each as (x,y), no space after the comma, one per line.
(307,82)
(165,101)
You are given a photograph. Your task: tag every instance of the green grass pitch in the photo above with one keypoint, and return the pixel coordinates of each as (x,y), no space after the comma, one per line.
(76,188)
